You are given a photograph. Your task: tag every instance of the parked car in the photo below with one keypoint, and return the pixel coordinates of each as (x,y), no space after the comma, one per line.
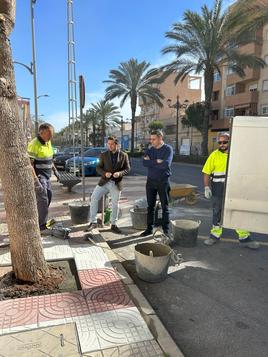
(60,159)
(91,159)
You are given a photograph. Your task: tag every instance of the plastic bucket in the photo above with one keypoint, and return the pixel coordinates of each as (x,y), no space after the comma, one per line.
(139,218)
(185,232)
(79,212)
(152,261)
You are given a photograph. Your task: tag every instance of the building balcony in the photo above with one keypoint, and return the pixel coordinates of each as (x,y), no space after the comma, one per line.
(221,124)
(215,104)
(251,48)
(250,74)
(241,99)
(217,85)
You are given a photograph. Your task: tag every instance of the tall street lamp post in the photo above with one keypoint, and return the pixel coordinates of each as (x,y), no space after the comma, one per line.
(32,3)
(177,106)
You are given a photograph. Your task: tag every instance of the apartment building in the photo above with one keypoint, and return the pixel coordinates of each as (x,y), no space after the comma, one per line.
(188,91)
(233,95)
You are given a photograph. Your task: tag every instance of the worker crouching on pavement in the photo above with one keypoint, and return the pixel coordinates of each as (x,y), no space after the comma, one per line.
(214,172)
(41,155)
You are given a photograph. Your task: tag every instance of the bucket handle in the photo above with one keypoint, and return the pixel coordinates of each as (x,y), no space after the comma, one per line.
(176,257)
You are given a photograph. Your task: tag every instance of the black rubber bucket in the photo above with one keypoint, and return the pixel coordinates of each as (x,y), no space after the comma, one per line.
(79,212)
(185,232)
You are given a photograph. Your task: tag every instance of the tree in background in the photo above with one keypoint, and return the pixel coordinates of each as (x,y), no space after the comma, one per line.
(27,256)
(194,116)
(205,42)
(156,124)
(133,80)
(91,120)
(108,115)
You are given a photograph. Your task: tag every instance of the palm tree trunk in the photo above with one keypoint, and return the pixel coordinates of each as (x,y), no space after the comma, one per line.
(27,257)
(94,133)
(208,95)
(133,114)
(103,131)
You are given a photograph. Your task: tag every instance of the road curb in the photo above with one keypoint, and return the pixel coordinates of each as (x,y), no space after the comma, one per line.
(155,325)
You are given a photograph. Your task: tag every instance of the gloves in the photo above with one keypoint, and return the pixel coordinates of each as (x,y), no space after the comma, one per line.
(208,193)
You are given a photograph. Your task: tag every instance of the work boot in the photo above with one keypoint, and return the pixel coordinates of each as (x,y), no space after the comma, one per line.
(211,240)
(249,243)
(91,226)
(146,233)
(50,223)
(115,229)
(45,232)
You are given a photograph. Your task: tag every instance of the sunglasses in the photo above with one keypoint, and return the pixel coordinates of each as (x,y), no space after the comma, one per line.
(223,142)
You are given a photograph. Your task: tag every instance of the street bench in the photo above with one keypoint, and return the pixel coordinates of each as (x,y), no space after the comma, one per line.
(67,179)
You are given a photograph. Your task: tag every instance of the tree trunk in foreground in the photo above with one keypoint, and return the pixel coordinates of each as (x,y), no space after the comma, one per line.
(15,169)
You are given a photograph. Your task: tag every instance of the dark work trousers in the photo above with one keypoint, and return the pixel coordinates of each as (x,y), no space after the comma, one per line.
(43,197)
(217,199)
(216,209)
(161,188)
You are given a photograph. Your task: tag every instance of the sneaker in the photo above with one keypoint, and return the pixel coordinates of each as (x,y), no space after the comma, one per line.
(249,243)
(115,229)
(91,226)
(146,233)
(211,240)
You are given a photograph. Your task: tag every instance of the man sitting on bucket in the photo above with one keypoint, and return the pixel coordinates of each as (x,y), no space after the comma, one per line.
(112,167)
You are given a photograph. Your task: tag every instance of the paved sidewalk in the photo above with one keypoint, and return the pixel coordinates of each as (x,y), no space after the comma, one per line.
(102,317)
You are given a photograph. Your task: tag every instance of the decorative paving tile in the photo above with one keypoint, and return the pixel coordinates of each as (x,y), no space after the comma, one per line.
(58,252)
(50,341)
(92,278)
(61,306)
(120,327)
(5,258)
(90,257)
(139,349)
(103,290)
(17,312)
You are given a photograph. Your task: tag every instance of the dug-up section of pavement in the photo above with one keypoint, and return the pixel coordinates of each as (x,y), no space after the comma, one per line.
(108,317)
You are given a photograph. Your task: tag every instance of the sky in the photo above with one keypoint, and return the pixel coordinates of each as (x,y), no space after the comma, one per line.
(107,32)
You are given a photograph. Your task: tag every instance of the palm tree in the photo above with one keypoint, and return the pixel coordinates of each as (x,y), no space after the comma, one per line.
(91,119)
(204,42)
(132,80)
(27,256)
(108,115)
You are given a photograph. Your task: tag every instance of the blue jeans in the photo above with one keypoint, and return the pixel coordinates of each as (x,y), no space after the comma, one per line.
(98,193)
(161,188)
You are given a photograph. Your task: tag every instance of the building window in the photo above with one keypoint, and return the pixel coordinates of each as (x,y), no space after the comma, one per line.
(230,90)
(229,70)
(266,59)
(265,85)
(229,112)
(253,87)
(194,83)
(215,95)
(266,35)
(216,76)
(264,109)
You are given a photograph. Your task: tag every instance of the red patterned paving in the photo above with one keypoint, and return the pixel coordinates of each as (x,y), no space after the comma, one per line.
(103,290)
(60,306)
(97,277)
(18,312)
